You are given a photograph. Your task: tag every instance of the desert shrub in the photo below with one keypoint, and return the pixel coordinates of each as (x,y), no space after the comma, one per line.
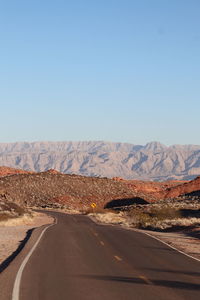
(97,210)
(154,217)
(3,207)
(16,208)
(109,217)
(143,220)
(4,216)
(165,213)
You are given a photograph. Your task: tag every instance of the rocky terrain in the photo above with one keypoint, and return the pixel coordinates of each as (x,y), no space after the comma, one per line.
(154,191)
(152,161)
(187,188)
(51,189)
(5,171)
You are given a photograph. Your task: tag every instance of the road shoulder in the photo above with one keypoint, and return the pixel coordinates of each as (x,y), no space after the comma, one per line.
(184,241)
(15,256)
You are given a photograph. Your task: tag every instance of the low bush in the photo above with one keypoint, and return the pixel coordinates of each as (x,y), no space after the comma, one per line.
(4,217)
(16,208)
(159,218)
(165,213)
(98,210)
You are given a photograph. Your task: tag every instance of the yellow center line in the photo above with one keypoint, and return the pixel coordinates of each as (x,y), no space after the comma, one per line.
(145,279)
(94,233)
(117,258)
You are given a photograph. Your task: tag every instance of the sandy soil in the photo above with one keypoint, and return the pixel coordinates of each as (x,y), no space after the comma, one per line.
(14,231)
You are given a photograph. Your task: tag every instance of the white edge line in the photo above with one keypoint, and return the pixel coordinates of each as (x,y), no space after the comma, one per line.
(154,237)
(143,232)
(16,288)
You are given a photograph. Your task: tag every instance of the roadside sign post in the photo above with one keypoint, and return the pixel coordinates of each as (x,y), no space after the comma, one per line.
(93,205)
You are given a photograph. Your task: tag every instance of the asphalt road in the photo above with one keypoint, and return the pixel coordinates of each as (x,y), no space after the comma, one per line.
(78,259)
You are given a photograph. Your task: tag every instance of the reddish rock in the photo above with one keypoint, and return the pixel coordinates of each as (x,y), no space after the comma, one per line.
(118,179)
(151,190)
(5,171)
(52,171)
(182,189)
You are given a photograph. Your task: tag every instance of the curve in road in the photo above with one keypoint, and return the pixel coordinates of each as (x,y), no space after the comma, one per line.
(79,259)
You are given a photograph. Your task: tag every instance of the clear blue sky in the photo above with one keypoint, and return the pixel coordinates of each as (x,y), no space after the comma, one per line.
(115,70)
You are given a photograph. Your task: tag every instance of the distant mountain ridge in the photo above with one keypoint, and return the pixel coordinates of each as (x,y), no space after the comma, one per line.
(153,161)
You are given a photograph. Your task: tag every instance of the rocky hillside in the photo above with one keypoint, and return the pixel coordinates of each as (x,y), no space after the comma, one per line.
(153,161)
(151,189)
(187,188)
(154,191)
(53,188)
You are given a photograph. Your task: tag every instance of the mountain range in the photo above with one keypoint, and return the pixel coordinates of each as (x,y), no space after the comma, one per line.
(153,161)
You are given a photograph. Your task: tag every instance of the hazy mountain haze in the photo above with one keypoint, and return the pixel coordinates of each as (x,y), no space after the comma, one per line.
(153,161)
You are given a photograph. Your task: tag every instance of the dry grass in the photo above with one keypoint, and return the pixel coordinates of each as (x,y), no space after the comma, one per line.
(165,212)
(96,210)
(69,211)
(4,217)
(13,207)
(25,219)
(152,218)
(10,211)
(110,218)
(180,222)
(160,218)
(14,231)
